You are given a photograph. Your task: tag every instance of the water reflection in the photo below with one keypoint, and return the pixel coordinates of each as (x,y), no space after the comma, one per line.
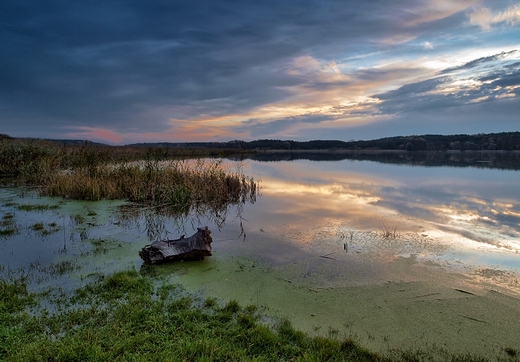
(38,233)
(433,210)
(362,215)
(318,231)
(506,160)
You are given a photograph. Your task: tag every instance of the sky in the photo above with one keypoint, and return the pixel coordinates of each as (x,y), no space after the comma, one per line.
(120,72)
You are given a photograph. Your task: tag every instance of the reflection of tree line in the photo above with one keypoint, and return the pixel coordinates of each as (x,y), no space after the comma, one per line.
(479,159)
(154,220)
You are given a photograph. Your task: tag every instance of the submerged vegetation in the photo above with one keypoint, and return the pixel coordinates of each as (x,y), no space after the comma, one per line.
(388,232)
(7,225)
(157,176)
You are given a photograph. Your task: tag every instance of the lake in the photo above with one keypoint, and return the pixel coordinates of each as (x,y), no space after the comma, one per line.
(393,251)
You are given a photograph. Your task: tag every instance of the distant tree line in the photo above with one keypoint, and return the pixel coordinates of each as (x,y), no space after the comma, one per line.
(508,141)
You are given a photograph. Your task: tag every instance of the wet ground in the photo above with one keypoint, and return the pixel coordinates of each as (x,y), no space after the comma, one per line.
(339,254)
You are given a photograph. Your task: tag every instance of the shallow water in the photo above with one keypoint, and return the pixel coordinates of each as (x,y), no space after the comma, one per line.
(465,215)
(318,230)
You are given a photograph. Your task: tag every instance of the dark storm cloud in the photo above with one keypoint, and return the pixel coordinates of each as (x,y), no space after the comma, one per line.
(136,64)
(72,61)
(411,90)
(88,64)
(135,67)
(509,77)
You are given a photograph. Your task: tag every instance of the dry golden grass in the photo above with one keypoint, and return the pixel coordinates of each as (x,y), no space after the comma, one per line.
(174,183)
(146,175)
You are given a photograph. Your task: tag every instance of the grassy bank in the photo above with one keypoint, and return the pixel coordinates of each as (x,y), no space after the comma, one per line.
(123,317)
(159,176)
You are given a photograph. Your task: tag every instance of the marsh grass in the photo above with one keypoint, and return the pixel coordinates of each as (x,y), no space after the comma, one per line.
(388,232)
(103,246)
(8,216)
(7,225)
(156,176)
(42,229)
(7,231)
(124,317)
(36,207)
(38,226)
(60,268)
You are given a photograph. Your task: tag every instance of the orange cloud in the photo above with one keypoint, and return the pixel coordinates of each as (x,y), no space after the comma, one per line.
(96,134)
(327,89)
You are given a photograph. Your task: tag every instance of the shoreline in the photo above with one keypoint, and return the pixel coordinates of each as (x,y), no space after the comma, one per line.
(443,315)
(413,305)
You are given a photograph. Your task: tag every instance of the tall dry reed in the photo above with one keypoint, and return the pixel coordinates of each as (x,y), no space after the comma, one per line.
(175,183)
(157,176)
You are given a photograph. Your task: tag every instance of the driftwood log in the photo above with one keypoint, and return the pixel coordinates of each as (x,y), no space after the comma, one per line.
(196,247)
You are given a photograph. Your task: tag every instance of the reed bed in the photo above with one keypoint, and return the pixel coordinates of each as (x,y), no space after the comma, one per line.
(157,176)
(175,183)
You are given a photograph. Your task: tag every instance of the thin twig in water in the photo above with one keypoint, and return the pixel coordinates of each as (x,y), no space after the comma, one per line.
(472,319)
(463,291)
(326,256)
(388,232)
(425,295)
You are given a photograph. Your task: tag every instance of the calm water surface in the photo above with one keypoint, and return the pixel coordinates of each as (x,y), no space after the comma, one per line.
(392,255)
(364,215)
(471,208)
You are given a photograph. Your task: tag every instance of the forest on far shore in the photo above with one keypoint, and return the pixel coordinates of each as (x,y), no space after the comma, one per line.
(505,141)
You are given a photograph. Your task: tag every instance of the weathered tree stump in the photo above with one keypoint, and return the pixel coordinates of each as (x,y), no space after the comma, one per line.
(196,247)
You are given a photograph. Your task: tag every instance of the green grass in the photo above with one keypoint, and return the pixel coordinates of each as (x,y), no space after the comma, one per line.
(123,317)
(7,225)
(38,227)
(14,297)
(37,207)
(7,231)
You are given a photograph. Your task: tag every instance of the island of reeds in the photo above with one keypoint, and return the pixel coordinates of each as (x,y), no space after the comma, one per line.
(177,178)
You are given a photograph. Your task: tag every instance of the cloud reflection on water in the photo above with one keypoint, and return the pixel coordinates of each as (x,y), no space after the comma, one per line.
(475,207)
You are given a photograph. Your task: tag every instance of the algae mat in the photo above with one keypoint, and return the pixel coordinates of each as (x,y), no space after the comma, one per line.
(439,314)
